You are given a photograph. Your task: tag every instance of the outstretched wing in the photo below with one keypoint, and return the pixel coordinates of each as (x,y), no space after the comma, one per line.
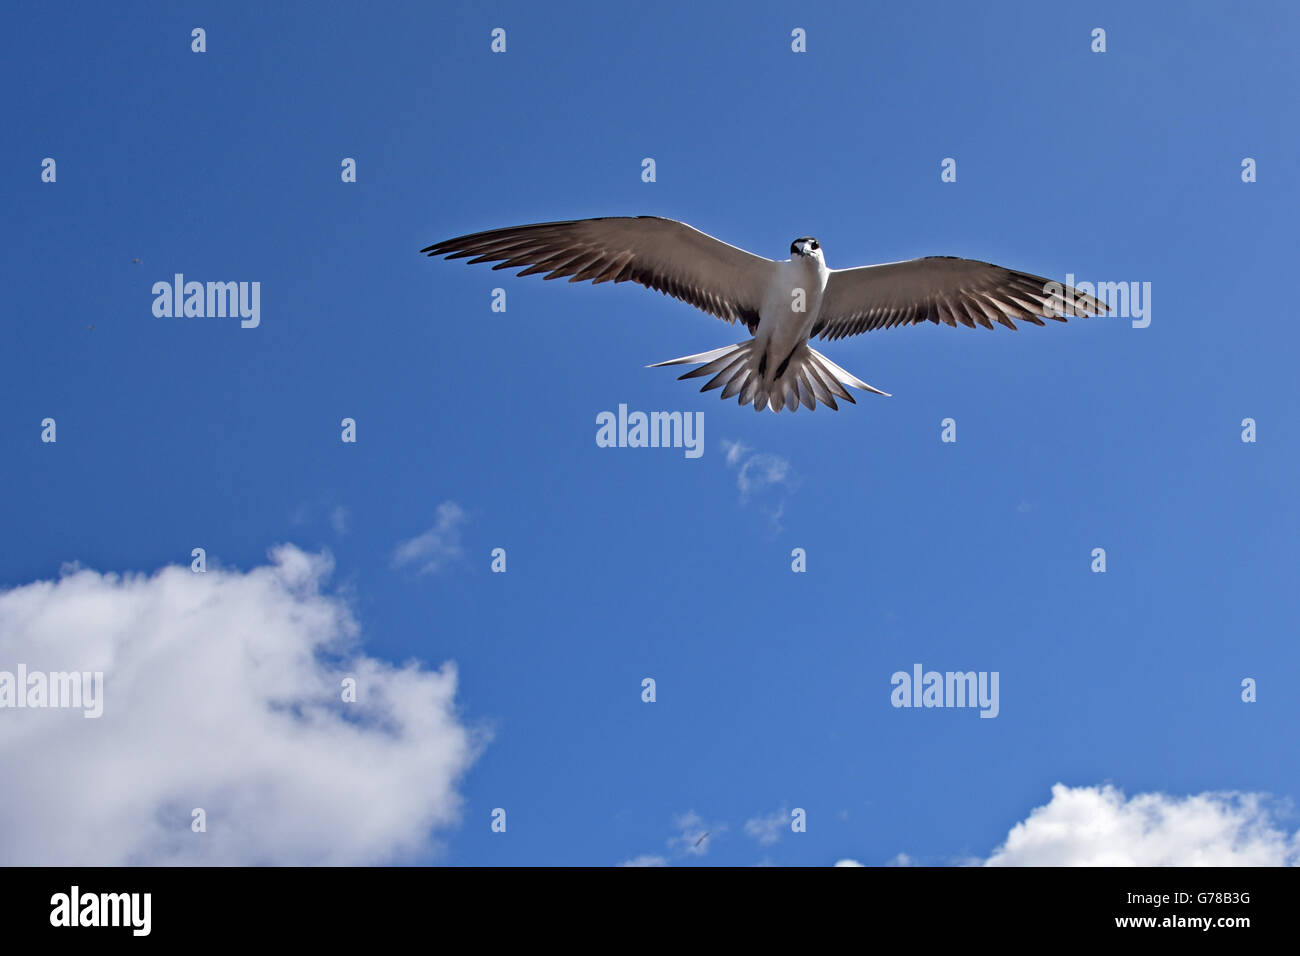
(660,254)
(943,289)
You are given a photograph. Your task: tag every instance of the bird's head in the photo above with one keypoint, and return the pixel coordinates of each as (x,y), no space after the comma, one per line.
(806,246)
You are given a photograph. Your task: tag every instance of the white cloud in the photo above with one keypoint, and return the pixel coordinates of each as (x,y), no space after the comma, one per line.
(734,452)
(320,509)
(340,519)
(757,472)
(761,471)
(693,838)
(1099,826)
(221,691)
(693,834)
(768,829)
(761,476)
(438,546)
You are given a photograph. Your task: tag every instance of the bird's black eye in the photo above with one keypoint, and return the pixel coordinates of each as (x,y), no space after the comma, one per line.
(816,244)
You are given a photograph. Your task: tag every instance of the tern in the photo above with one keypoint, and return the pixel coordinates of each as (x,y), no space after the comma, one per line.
(783,304)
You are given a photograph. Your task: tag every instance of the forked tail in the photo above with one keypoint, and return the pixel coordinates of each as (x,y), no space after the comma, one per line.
(806,377)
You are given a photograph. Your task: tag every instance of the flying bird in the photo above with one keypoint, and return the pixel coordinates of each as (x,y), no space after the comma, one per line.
(782,304)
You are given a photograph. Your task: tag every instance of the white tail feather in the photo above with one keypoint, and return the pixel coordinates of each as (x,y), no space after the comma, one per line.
(808,377)
(701,357)
(848,378)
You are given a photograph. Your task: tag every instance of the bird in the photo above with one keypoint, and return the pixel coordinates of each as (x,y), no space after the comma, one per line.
(783,304)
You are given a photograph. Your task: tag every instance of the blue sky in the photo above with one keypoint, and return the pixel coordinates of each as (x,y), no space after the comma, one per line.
(773,687)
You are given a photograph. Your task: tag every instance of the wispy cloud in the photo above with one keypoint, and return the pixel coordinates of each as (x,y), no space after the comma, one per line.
(693,834)
(439,546)
(314,511)
(767,829)
(693,838)
(761,475)
(340,520)
(757,471)
(734,452)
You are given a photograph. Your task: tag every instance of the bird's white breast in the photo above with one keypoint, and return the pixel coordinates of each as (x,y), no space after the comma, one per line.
(792,301)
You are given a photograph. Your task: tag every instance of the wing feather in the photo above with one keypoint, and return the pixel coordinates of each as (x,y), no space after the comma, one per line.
(943,289)
(661,254)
